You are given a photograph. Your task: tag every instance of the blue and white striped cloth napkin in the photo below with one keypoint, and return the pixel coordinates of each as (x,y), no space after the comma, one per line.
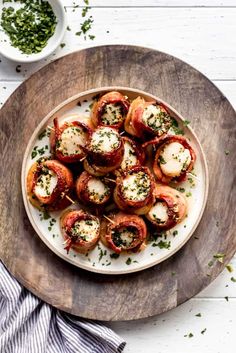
(28,325)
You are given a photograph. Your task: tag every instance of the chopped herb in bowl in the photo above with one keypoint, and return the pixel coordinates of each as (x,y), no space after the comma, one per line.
(30,25)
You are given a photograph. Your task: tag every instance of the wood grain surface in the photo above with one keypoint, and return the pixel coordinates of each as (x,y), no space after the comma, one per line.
(154,290)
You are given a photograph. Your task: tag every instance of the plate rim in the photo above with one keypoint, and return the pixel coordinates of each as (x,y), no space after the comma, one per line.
(26,202)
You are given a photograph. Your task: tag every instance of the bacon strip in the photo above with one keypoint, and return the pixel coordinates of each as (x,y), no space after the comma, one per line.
(134,206)
(160,143)
(119,221)
(67,222)
(57,199)
(109,98)
(56,136)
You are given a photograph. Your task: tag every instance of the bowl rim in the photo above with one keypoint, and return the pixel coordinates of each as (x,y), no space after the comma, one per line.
(30,58)
(26,201)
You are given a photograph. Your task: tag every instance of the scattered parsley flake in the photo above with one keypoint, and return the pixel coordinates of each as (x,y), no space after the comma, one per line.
(162,244)
(101,254)
(114,256)
(128,261)
(42,134)
(229,268)
(227,152)
(186,122)
(203,331)
(233,279)
(227,298)
(210,263)
(181,190)
(219,257)
(199,315)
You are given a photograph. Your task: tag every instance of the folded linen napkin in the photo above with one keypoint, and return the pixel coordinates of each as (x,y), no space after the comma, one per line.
(28,325)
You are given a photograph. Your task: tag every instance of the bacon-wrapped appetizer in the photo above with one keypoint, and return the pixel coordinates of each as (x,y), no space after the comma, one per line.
(134,190)
(48,184)
(133,154)
(125,232)
(170,208)
(147,118)
(105,151)
(174,158)
(92,190)
(110,110)
(67,141)
(80,230)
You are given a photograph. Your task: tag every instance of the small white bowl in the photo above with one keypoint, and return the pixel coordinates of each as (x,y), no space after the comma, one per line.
(15,54)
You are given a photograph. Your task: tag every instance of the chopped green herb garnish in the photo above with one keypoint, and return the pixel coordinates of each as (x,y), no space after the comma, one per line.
(181,189)
(233,279)
(42,134)
(101,254)
(229,268)
(219,257)
(226,152)
(128,261)
(203,331)
(186,122)
(198,315)
(162,160)
(210,263)
(114,256)
(162,244)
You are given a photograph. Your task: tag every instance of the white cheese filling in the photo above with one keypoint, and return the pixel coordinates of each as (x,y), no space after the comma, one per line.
(174,159)
(130,158)
(105,140)
(159,212)
(112,114)
(46,183)
(136,186)
(71,139)
(97,189)
(87,229)
(151,116)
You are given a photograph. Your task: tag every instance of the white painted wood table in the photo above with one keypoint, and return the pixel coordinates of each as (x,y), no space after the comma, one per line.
(202,33)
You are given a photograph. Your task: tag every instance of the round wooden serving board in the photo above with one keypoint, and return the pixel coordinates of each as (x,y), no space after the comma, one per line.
(155,290)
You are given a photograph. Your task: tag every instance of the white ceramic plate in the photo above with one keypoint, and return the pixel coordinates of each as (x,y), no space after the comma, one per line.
(15,54)
(99,259)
